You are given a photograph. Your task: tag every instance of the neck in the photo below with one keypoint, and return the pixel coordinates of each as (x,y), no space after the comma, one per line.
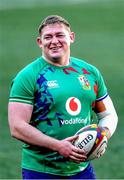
(57,62)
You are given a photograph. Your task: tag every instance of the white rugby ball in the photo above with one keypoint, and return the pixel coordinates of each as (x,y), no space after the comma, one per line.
(92,139)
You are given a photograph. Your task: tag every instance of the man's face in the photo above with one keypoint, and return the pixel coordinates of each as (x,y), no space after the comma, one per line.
(55,42)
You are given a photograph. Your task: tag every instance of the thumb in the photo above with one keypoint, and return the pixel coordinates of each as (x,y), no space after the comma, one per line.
(72,138)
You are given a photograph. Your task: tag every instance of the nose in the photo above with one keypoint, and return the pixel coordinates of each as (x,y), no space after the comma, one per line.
(54,39)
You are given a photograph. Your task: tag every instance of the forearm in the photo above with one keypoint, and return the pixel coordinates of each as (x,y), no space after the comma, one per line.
(29,134)
(19,115)
(108,118)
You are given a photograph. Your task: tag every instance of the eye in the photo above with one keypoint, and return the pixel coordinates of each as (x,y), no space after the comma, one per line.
(60,35)
(47,37)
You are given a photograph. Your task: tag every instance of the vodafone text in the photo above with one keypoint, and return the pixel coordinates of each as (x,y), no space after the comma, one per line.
(73,121)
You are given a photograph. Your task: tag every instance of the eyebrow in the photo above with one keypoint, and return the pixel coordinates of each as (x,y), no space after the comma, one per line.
(55,33)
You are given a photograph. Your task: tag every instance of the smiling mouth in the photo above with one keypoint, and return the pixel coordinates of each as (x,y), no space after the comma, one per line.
(56,48)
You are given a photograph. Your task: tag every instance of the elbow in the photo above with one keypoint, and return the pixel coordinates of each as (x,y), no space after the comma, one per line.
(116,118)
(116,121)
(110,121)
(14,132)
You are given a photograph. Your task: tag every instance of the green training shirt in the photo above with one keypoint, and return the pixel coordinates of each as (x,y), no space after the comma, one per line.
(62,99)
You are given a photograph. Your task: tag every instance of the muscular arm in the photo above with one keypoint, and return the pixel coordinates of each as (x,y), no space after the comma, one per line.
(107,115)
(19,115)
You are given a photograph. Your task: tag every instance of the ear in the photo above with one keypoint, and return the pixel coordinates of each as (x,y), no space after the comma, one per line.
(72,37)
(39,42)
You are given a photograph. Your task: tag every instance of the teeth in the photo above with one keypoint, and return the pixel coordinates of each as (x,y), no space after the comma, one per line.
(55,48)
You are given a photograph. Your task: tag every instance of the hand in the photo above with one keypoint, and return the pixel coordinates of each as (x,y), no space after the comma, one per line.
(106,132)
(68,150)
(101,153)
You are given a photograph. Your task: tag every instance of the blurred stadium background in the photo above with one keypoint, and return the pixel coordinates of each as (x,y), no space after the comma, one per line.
(99,28)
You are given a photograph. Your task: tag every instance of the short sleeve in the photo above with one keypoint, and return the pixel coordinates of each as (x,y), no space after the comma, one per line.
(102,89)
(22,88)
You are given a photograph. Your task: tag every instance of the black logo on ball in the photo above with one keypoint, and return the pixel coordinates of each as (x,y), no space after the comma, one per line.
(85,141)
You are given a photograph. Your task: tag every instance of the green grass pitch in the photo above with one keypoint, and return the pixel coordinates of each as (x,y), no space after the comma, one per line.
(99,28)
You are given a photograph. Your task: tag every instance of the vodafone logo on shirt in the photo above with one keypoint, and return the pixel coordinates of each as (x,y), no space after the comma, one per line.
(73,106)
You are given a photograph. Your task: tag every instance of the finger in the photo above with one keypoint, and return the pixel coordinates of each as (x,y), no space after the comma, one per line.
(101,153)
(79,156)
(79,151)
(72,138)
(77,160)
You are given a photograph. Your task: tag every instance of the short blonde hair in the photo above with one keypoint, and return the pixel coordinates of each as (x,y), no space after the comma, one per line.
(52,19)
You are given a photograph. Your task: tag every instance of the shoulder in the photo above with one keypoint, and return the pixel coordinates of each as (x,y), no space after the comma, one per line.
(27,77)
(32,69)
(24,84)
(34,66)
(84,64)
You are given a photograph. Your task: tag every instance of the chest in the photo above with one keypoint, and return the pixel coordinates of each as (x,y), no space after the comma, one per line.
(62,83)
